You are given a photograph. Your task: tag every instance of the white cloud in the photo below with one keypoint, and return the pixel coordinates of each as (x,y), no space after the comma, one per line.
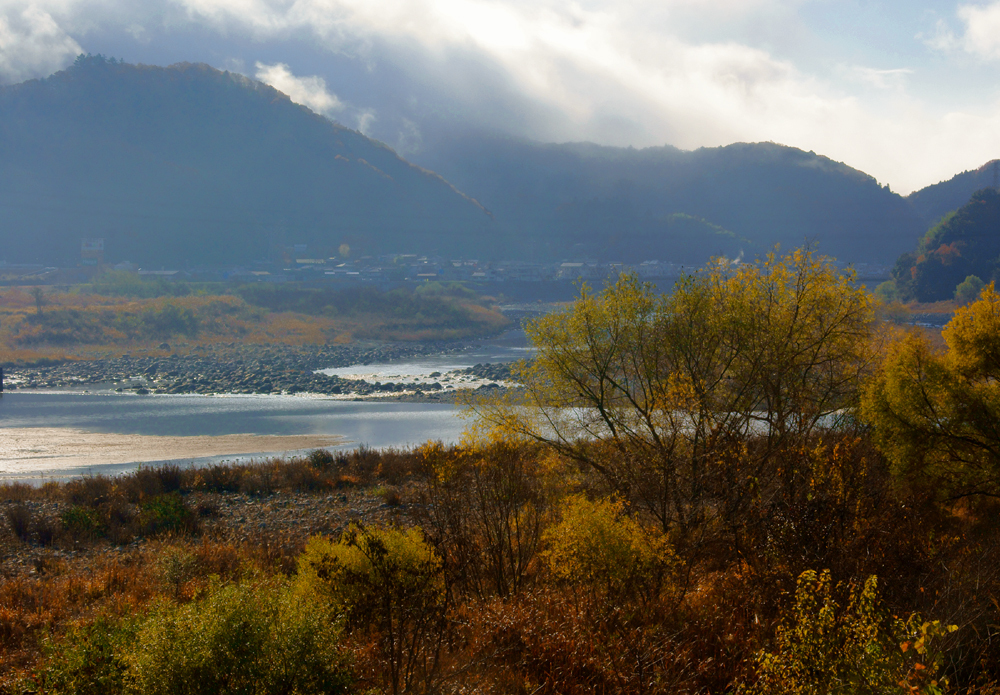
(982,29)
(893,78)
(980,35)
(32,44)
(364,120)
(943,39)
(308,91)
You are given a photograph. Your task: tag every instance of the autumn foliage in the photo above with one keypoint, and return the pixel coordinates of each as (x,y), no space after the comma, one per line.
(748,487)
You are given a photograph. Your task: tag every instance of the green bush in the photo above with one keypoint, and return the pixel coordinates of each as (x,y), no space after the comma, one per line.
(121,283)
(83,522)
(888,292)
(240,639)
(371,571)
(167,320)
(165,513)
(968,290)
(88,659)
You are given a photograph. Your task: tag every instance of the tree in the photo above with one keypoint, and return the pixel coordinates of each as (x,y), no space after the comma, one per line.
(968,290)
(937,414)
(484,509)
(684,402)
(38,294)
(389,581)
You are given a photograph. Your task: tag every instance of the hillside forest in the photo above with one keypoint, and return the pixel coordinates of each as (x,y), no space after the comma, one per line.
(955,258)
(752,485)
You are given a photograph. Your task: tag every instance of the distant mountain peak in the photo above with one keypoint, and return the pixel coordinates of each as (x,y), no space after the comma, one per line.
(188,164)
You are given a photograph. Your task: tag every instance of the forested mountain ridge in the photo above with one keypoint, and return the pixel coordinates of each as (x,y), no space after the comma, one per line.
(965,243)
(188,164)
(935,201)
(662,202)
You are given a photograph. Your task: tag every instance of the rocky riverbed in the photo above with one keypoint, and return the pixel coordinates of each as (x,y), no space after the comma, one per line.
(259,369)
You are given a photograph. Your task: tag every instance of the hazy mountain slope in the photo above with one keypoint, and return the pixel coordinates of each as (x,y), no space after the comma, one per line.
(188,164)
(933,202)
(626,203)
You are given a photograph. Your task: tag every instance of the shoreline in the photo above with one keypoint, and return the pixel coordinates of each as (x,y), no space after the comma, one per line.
(24,449)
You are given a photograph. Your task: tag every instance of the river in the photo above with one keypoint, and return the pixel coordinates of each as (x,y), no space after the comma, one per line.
(370,423)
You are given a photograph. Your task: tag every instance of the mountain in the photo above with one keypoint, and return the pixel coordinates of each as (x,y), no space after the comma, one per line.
(966,242)
(190,165)
(934,202)
(673,205)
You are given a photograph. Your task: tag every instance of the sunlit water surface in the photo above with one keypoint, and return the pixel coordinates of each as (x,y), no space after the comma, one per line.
(370,423)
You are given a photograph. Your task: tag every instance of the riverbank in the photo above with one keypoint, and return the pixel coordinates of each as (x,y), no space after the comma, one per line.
(23,450)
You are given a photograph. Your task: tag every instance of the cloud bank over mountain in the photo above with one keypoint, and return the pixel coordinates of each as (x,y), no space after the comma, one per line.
(906,94)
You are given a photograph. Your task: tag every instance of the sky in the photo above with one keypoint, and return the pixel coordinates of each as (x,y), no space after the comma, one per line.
(905,90)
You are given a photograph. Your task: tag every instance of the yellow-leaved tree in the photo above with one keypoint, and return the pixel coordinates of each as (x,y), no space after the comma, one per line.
(936,415)
(388,582)
(683,402)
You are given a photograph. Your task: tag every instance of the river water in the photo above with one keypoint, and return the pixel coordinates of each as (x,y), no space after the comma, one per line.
(370,423)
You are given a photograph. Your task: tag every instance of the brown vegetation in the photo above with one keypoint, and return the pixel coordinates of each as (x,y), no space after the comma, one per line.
(523,608)
(649,541)
(39,324)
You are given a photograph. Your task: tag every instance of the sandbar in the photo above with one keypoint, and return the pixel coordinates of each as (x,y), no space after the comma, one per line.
(28,450)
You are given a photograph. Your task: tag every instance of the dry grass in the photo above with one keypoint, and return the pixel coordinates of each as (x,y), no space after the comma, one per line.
(946,306)
(85,326)
(108,575)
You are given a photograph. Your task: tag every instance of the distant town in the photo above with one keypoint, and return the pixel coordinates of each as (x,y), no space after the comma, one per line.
(297,264)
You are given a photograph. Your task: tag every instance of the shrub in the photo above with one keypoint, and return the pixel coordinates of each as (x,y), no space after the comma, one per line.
(820,649)
(388,581)
(18,492)
(88,659)
(321,459)
(83,523)
(597,545)
(90,490)
(484,508)
(552,637)
(968,290)
(165,513)
(249,639)
(148,482)
(888,292)
(21,521)
(25,524)
(238,639)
